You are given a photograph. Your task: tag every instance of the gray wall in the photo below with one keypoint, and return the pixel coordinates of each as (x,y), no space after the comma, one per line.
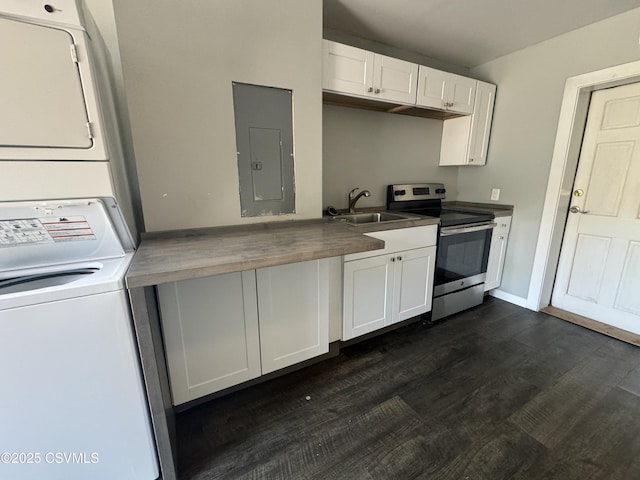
(179,60)
(530,87)
(369,150)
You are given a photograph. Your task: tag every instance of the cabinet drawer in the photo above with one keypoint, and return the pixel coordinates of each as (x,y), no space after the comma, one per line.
(400,239)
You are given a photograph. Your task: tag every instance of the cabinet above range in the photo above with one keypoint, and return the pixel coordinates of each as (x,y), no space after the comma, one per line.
(353,77)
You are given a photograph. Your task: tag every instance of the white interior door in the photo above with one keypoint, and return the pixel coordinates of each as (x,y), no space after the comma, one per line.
(41,97)
(599,269)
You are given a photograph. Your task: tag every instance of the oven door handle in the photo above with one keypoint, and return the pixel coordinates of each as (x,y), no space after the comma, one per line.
(444,232)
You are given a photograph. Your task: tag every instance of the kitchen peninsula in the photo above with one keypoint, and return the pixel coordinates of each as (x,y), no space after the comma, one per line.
(175,256)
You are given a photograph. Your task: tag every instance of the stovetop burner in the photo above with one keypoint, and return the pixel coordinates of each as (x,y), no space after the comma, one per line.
(426,199)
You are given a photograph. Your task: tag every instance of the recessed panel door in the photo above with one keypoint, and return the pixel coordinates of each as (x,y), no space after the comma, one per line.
(347,69)
(293,314)
(432,85)
(42,103)
(368,295)
(462,93)
(599,270)
(395,80)
(211,335)
(413,291)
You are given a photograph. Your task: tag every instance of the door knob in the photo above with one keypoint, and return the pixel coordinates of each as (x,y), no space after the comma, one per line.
(576,209)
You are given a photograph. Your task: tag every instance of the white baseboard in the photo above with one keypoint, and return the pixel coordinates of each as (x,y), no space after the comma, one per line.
(507,297)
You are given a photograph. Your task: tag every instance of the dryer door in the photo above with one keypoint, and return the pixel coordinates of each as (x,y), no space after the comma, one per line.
(42,103)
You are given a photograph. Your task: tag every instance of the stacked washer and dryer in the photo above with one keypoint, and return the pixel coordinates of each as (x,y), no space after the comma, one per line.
(73,402)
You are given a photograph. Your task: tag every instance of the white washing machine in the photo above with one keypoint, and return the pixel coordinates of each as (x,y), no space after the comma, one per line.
(72,399)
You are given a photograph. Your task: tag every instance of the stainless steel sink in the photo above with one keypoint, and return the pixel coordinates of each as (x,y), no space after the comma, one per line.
(374,217)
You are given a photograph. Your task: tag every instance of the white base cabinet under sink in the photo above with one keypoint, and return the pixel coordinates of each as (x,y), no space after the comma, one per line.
(223,330)
(387,286)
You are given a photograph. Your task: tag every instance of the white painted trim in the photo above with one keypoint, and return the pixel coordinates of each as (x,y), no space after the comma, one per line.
(575,102)
(508,297)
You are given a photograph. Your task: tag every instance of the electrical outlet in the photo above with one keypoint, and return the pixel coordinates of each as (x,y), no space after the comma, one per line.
(495,194)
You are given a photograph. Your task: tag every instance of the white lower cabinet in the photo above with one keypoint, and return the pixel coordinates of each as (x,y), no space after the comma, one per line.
(211,334)
(293,307)
(497,253)
(368,289)
(223,330)
(380,290)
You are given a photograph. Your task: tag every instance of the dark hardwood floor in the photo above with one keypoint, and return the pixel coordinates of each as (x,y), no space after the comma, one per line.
(497,392)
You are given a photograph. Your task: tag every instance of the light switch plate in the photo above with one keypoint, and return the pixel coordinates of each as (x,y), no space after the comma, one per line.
(495,194)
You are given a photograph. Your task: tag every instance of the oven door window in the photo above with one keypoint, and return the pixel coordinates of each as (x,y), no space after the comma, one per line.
(462,255)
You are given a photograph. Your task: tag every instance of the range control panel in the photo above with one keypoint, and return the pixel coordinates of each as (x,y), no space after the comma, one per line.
(415,191)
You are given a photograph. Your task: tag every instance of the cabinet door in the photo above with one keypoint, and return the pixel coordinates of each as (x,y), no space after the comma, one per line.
(432,85)
(413,282)
(368,295)
(461,94)
(394,80)
(481,123)
(347,69)
(210,328)
(497,253)
(293,306)
(465,140)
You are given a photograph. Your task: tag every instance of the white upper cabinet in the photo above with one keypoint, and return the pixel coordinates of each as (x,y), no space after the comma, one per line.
(465,140)
(445,91)
(49,103)
(481,123)
(353,71)
(394,80)
(347,69)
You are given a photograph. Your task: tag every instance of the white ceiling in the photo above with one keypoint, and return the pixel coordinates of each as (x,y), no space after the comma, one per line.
(466,33)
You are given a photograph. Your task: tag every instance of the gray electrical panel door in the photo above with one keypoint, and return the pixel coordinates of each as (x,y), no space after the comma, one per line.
(264,139)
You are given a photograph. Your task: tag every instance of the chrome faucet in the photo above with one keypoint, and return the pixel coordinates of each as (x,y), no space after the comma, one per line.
(353,198)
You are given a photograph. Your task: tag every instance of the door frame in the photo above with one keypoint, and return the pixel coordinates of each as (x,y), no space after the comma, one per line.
(564,163)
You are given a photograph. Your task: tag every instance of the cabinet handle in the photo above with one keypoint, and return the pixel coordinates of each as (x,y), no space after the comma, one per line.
(471,160)
(501,237)
(393,259)
(399,259)
(377,90)
(370,89)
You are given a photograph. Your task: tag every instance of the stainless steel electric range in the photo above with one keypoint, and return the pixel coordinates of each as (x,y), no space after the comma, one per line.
(463,245)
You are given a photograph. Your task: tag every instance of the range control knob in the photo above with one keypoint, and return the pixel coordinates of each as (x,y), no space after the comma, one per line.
(399,193)
(440,190)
